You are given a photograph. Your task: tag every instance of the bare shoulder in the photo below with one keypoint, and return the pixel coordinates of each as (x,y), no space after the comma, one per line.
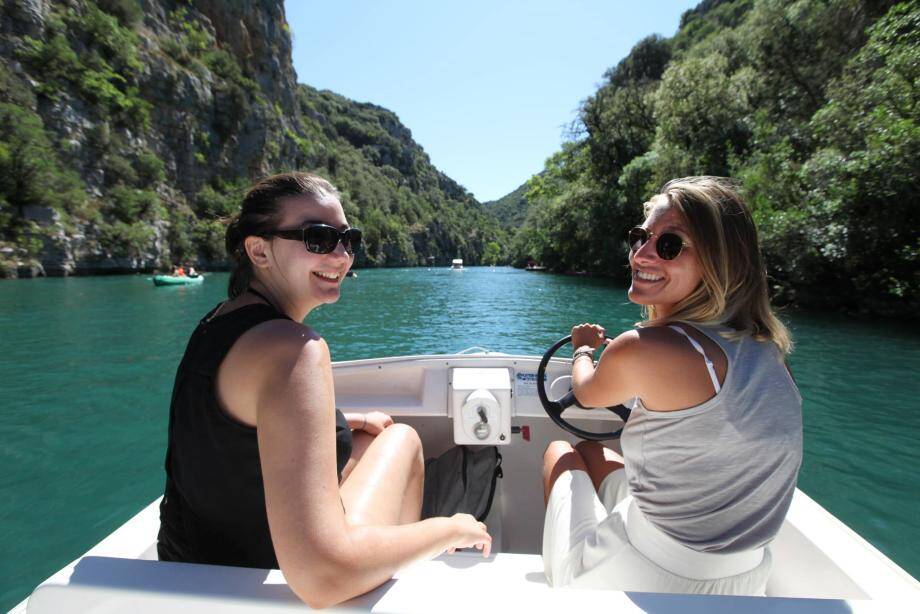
(659,366)
(281,333)
(281,343)
(670,372)
(642,345)
(271,358)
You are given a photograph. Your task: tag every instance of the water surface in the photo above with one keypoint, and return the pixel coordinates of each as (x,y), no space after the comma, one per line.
(87,367)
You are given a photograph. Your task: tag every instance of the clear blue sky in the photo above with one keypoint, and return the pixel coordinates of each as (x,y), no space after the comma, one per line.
(487,88)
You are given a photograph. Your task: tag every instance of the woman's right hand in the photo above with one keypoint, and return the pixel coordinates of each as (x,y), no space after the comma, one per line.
(470,532)
(590,335)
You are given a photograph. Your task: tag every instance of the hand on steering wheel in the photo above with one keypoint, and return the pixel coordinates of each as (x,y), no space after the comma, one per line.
(588,335)
(554,409)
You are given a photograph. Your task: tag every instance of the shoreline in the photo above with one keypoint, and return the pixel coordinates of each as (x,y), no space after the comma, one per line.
(814,303)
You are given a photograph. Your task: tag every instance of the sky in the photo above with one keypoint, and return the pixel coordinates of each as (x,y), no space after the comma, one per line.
(488,89)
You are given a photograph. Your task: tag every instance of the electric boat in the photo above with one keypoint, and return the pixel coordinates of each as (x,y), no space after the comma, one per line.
(819,564)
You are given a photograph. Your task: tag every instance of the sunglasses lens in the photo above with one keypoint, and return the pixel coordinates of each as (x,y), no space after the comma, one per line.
(637,238)
(669,246)
(352,239)
(321,239)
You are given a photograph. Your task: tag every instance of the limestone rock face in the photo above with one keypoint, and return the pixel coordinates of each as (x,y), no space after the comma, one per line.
(160,112)
(256,33)
(28,16)
(188,108)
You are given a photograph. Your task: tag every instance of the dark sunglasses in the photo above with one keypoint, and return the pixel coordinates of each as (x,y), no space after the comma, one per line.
(321,238)
(668,245)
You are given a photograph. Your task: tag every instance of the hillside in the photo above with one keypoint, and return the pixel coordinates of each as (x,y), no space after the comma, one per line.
(812,106)
(129,128)
(510,209)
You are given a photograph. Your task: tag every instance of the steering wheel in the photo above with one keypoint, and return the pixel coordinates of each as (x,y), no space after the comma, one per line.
(555,408)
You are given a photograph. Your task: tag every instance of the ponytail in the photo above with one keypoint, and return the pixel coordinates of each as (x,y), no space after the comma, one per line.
(241,273)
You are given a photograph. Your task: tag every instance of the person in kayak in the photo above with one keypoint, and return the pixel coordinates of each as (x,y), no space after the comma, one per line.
(262,470)
(712,448)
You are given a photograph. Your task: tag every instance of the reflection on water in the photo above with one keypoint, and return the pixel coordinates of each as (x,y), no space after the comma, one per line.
(87,368)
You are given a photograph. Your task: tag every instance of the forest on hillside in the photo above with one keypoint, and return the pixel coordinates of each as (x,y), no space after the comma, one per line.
(810,105)
(129,129)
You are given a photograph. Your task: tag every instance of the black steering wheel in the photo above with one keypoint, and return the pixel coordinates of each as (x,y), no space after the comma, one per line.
(555,408)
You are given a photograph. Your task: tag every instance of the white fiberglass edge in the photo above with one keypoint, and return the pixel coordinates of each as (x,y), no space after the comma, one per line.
(451,583)
(829,555)
(117,575)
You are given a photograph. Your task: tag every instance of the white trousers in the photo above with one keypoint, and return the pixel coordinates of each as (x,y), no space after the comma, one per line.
(602,539)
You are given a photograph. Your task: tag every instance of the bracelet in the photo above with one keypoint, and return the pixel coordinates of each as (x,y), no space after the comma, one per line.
(581,353)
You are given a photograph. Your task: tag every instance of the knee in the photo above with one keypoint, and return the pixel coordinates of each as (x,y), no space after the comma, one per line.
(589,448)
(403,432)
(405,437)
(556,450)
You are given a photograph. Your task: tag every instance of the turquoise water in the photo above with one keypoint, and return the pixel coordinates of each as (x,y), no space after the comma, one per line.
(87,365)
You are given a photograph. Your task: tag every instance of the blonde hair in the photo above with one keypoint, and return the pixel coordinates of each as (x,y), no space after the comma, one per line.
(733,290)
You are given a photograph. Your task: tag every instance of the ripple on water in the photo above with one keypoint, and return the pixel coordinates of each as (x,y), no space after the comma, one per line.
(88,364)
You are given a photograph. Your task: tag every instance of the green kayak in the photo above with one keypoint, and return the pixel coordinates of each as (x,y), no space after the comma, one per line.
(172,280)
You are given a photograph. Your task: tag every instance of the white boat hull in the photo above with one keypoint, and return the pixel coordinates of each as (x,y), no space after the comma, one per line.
(820,565)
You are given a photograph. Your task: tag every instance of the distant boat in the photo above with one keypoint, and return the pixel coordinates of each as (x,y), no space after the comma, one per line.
(535,267)
(456,264)
(351,274)
(177,280)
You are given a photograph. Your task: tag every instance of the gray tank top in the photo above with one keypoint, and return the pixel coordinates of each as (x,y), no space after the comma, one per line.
(719,477)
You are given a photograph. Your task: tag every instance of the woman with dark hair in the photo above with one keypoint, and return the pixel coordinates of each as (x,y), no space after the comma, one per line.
(262,470)
(712,449)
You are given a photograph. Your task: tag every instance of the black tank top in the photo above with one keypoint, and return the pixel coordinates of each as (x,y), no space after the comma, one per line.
(213,509)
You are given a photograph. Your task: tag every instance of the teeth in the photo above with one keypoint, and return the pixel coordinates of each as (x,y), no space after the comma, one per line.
(648,276)
(331,276)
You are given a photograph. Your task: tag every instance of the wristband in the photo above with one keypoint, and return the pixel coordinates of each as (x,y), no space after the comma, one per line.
(581,353)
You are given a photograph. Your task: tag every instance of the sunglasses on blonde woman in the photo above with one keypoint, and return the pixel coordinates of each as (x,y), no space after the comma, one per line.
(321,238)
(668,245)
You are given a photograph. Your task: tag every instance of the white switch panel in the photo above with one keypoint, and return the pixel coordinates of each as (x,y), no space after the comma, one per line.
(480,404)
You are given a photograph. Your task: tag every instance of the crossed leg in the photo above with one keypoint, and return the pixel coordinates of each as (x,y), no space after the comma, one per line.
(382,481)
(589,456)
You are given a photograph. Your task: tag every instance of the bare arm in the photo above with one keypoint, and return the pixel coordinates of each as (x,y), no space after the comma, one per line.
(615,379)
(655,364)
(324,559)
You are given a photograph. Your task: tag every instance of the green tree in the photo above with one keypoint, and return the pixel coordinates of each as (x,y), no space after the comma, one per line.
(30,172)
(492,254)
(865,178)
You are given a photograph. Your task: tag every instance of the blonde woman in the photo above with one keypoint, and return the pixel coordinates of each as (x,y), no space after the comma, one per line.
(712,449)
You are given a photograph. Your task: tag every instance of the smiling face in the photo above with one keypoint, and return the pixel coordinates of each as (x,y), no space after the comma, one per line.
(657,282)
(308,280)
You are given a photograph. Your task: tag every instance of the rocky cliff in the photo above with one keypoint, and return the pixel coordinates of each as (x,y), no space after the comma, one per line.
(128,128)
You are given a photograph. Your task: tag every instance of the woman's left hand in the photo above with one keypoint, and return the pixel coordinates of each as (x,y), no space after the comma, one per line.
(375,422)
